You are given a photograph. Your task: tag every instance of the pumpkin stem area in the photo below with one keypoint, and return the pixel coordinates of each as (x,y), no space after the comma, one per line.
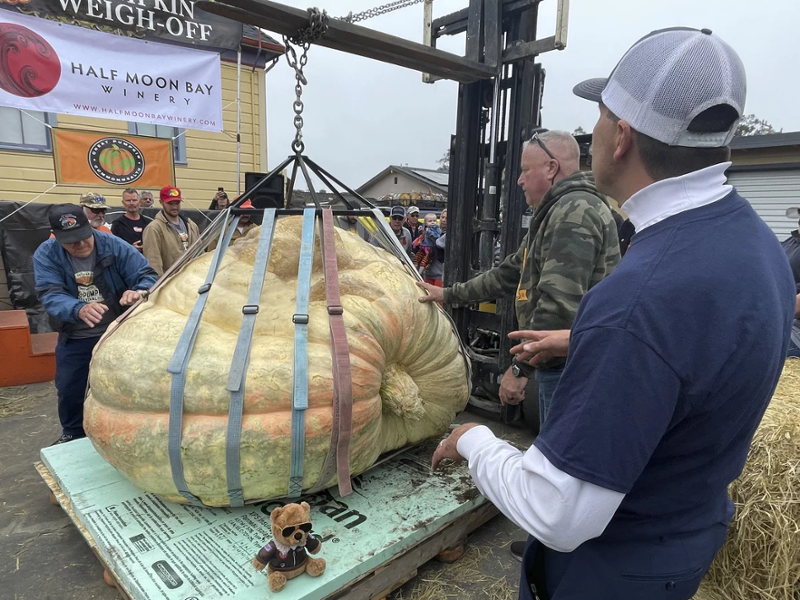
(400,394)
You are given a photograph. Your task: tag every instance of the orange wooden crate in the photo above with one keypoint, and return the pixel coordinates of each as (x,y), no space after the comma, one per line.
(26,358)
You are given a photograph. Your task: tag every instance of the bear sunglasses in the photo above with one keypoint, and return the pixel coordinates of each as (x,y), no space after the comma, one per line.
(288,531)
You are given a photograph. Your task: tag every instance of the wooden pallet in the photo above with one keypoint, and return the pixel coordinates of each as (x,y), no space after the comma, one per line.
(445,542)
(57,496)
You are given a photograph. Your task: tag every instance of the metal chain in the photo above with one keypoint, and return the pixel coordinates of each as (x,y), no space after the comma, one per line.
(317,26)
(379,10)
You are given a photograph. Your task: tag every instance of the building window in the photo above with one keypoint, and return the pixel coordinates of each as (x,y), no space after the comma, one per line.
(25,130)
(163,131)
(395,180)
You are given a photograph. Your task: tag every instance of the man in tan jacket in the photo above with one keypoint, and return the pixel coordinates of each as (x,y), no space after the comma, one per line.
(169,235)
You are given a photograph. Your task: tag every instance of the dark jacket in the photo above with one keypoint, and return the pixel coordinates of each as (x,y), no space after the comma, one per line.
(294,558)
(415,230)
(119,267)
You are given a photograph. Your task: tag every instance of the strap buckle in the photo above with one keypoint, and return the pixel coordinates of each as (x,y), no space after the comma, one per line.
(236,497)
(250,309)
(335,309)
(295,486)
(300,319)
(203,289)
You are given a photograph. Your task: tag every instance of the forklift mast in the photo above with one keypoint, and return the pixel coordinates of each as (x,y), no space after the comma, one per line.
(487,215)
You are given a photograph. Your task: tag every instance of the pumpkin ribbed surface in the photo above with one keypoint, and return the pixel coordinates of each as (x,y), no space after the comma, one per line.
(409,376)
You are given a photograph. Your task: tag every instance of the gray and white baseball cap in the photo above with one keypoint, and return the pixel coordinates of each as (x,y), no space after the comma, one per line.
(667,79)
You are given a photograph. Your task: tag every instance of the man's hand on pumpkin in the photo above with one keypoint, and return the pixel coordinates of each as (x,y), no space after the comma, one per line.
(538,346)
(448,447)
(435,293)
(92,313)
(130,297)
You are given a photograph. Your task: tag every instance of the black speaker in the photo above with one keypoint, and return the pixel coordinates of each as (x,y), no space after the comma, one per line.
(269,194)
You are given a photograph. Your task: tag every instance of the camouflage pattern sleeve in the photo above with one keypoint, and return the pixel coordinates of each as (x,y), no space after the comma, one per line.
(578,249)
(495,283)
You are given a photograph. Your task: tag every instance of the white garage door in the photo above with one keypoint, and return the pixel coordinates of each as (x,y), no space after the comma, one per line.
(771,193)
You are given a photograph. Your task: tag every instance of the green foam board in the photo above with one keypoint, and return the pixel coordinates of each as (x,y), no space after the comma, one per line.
(165,551)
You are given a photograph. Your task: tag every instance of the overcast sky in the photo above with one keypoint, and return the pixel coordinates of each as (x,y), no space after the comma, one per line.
(362,115)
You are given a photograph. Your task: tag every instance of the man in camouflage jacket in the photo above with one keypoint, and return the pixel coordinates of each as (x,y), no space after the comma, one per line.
(571,245)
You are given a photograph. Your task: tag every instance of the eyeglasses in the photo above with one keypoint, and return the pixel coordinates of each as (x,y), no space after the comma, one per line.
(288,531)
(97,210)
(397,218)
(538,140)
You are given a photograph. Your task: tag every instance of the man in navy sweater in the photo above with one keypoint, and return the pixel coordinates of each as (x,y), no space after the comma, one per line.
(672,359)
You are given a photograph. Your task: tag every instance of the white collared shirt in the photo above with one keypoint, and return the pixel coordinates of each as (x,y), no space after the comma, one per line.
(668,197)
(560,510)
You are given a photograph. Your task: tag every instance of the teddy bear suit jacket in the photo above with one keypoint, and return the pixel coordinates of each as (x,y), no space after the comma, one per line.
(296,557)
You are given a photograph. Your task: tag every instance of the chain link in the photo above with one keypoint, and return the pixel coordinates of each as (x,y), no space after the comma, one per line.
(379,10)
(317,26)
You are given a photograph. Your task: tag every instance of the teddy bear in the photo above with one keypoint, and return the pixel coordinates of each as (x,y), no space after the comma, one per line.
(287,555)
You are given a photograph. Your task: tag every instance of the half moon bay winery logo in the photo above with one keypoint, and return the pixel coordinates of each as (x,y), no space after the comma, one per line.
(116,160)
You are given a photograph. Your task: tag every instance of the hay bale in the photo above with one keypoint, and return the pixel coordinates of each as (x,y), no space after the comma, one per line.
(761,558)
(707,592)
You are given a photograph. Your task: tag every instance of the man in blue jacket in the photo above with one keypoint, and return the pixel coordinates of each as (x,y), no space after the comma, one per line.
(84,278)
(672,359)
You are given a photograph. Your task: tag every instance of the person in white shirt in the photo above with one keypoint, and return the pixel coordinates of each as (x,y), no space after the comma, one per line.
(671,360)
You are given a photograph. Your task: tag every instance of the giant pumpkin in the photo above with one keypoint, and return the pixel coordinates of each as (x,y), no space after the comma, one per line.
(409,375)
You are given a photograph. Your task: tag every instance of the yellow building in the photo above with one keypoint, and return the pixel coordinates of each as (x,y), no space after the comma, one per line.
(204,160)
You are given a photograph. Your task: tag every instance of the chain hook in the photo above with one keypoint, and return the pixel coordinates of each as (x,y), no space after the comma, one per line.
(317,26)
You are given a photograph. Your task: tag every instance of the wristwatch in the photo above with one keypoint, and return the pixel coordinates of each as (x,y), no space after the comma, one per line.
(516,371)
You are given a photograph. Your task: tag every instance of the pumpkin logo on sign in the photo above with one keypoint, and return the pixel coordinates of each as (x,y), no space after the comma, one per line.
(116,160)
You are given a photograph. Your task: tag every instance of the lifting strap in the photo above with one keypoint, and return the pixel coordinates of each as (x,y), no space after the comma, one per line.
(300,320)
(180,360)
(241,358)
(338,459)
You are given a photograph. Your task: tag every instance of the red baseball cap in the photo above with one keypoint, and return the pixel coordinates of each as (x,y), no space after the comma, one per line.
(170,194)
(246,204)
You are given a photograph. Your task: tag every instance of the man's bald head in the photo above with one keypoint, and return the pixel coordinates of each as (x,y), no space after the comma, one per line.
(563,146)
(540,170)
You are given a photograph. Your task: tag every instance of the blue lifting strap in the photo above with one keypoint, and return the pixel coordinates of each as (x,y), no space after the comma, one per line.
(179,362)
(300,320)
(241,357)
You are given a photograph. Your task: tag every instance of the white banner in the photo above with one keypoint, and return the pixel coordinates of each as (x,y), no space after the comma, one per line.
(64,69)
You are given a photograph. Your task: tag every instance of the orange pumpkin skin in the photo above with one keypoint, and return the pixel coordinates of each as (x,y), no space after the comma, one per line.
(409,375)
